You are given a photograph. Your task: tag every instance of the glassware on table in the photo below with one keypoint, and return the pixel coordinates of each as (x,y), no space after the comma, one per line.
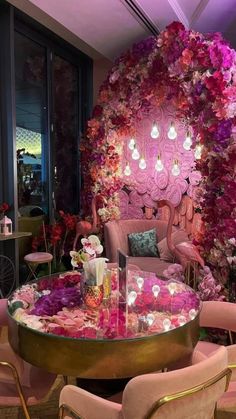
(107,284)
(93,295)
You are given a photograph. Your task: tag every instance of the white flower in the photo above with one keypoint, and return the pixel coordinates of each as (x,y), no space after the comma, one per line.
(232,241)
(231,260)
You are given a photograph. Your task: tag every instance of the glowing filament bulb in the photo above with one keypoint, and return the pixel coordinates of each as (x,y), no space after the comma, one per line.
(156,289)
(172,288)
(140,282)
(175,169)
(192,313)
(142,163)
(127,170)
(172,134)
(135,154)
(150,319)
(131,143)
(198,152)
(159,165)
(182,320)
(187,142)
(155,131)
(166,324)
(132,297)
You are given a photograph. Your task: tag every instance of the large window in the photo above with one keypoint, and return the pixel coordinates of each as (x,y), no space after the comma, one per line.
(31,122)
(52,89)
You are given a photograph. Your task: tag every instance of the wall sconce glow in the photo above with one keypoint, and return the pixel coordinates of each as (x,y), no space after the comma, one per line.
(172,134)
(135,154)
(156,289)
(187,142)
(127,170)
(142,163)
(198,152)
(155,131)
(175,169)
(132,297)
(131,143)
(159,165)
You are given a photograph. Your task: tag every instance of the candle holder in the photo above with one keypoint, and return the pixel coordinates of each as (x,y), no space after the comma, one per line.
(93,295)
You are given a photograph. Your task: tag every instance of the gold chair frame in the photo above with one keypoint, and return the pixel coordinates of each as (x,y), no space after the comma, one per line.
(64,408)
(18,386)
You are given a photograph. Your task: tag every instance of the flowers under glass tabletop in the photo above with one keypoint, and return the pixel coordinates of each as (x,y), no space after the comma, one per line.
(90,250)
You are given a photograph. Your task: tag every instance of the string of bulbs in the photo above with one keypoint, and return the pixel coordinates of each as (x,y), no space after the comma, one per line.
(159,166)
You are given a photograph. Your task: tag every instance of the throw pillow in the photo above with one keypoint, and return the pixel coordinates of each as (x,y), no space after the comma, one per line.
(143,244)
(178,236)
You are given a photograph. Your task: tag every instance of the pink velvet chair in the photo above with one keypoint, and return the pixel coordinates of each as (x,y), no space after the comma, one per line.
(21,384)
(221,315)
(187,393)
(116,237)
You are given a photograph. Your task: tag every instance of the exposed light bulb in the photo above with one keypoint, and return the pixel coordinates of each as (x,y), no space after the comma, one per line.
(150,319)
(159,165)
(187,142)
(172,288)
(155,131)
(142,163)
(166,324)
(135,154)
(198,152)
(175,169)
(172,134)
(140,282)
(156,289)
(131,143)
(127,170)
(132,297)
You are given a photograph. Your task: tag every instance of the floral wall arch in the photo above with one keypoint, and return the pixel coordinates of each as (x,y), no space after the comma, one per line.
(197,73)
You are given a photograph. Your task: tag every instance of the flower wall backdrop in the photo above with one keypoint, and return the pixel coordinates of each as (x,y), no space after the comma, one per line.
(196,73)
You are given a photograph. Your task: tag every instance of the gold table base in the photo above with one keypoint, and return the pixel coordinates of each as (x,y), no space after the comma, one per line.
(103,359)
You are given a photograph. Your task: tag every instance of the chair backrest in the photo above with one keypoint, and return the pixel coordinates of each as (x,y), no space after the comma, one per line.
(116,234)
(218,314)
(193,391)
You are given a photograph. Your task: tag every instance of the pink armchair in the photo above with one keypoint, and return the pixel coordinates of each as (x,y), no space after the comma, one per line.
(116,237)
(221,315)
(190,392)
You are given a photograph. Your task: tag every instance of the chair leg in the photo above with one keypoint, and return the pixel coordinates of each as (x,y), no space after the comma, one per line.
(18,386)
(32,270)
(49,268)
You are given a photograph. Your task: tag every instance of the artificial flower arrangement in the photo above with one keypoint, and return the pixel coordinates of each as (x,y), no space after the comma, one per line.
(91,249)
(55,305)
(196,73)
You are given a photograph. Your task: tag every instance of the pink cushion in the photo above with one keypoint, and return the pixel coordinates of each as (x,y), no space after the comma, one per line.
(177,237)
(150,264)
(206,348)
(38,257)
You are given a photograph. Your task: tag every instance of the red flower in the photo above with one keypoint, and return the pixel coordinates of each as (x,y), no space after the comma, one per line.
(4,207)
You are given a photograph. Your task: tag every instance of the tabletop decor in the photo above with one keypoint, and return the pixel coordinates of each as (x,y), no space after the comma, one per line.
(196,74)
(55,305)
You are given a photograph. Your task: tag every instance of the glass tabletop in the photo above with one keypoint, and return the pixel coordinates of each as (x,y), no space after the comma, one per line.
(56,306)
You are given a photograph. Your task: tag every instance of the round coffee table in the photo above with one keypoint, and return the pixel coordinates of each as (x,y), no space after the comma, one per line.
(153,333)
